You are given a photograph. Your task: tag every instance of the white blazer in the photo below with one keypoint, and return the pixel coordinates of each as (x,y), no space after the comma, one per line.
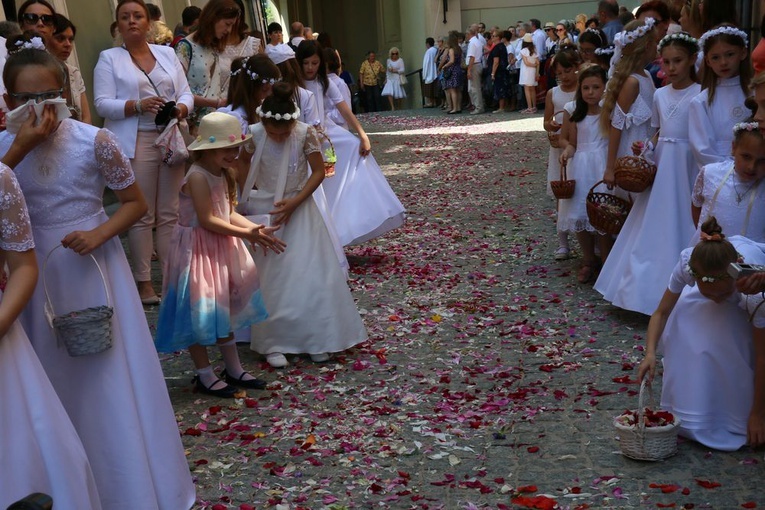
(115,82)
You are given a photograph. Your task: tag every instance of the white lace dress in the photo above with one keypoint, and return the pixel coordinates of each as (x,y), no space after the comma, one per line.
(39,448)
(310,308)
(708,378)
(711,126)
(736,204)
(362,204)
(559,99)
(638,265)
(117,400)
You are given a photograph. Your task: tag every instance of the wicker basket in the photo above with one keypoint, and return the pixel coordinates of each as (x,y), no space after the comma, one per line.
(564,188)
(83,332)
(329,166)
(607,212)
(554,137)
(634,173)
(647,443)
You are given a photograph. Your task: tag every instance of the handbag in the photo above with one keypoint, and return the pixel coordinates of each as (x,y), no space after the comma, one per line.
(447,73)
(403,80)
(258,204)
(172,143)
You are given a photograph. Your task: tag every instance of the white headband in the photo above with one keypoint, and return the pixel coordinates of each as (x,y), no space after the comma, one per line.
(679,36)
(745,126)
(278,116)
(34,43)
(252,74)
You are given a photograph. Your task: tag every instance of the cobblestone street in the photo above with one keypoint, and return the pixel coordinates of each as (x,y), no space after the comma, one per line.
(491,377)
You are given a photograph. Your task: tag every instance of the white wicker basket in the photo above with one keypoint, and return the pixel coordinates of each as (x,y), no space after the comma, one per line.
(83,332)
(647,443)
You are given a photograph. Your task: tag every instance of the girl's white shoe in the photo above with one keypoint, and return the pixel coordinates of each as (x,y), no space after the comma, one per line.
(320,358)
(277,360)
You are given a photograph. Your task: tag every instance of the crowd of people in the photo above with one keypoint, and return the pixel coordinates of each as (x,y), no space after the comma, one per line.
(273,165)
(280,162)
(674,91)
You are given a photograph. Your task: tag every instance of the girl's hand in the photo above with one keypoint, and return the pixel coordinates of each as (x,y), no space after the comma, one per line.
(365,148)
(554,126)
(83,241)
(263,236)
(608,177)
(755,429)
(283,211)
(29,135)
(647,366)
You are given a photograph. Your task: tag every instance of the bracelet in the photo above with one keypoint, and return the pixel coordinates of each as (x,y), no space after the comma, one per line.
(138,107)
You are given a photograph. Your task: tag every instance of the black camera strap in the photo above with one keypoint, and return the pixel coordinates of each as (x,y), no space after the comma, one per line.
(144,72)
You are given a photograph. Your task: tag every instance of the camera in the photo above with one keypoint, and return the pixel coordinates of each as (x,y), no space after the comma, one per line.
(738,270)
(165,114)
(36,501)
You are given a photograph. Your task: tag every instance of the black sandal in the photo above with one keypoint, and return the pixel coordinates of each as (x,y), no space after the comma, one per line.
(252,384)
(227,391)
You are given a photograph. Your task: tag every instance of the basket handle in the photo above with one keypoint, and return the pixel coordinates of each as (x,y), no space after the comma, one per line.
(641,403)
(563,175)
(596,185)
(556,113)
(49,312)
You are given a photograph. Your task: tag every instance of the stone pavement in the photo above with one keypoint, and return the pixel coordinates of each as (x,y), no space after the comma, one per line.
(491,377)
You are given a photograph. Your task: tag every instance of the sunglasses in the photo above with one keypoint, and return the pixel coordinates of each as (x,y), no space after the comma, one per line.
(31,18)
(394,53)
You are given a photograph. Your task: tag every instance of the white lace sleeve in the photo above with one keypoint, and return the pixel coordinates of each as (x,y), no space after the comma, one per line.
(312,143)
(15,228)
(697,197)
(680,276)
(113,164)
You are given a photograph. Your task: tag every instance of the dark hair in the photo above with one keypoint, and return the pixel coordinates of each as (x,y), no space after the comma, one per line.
(243,89)
(594,36)
(430,41)
(307,49)
(690,48)
(530,46)
(190,14)
(280,101)
(535,23)
(240,27)
(61,23)
(655,5)
(23,8)
(506,35)
(332,60)
(274,27)
(709,78)
(125,2)
(324,40)
(591,21)
(611,8)
(154,12)
(590,71)
(710,257)
(718,13)
(9,28)
(212,12)
(19,59)
(291,73)
(567,58)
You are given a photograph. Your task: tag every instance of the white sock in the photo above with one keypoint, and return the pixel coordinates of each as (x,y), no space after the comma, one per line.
(208,378)
(230,355)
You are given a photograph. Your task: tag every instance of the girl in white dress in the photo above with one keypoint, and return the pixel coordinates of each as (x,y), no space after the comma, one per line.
(394,71)
(725,80)
(39,448)
(583,150)
(714,358)
(732,191)
(116,399)
(332,59)
(529,75)
(639,267)
(310,307)
(626,111)
(565,67)
(362,204)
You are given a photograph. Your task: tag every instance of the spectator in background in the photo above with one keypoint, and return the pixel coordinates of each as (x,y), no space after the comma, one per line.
(551,43)
(308,33)
(498,63)
(580,23)
(189,19)
(39,16)
(593,23)
(716,12)
(564,37)
(8,29)
(60,46)
(159,33)
(296,35)
(429,73)
(626,16)
(275,37)
(474,69)
(608,17)
(394,89)
(540,40)
(369,82)
(454,75)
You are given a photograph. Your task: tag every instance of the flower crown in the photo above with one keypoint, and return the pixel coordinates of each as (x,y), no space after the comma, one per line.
(608,50)
(625,38)
(680,36)
(596,32)
(705,278)
(278,116)
(252,74)
(35,43)
(723,30)
(745,126)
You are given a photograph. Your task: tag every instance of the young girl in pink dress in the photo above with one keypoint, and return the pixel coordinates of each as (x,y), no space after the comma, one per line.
(211,283)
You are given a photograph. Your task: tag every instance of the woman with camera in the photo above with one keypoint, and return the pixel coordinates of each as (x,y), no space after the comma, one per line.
(138,88)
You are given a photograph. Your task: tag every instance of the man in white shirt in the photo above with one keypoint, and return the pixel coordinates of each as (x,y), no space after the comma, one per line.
(540,39)
(475,69)
(429,72)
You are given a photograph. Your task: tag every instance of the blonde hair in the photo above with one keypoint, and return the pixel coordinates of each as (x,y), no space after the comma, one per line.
(392,50)
(759,79)
(631,62)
